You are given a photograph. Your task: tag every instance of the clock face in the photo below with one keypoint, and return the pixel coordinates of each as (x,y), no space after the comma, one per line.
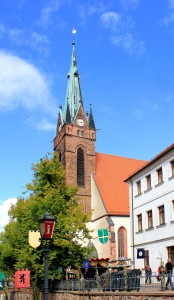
(80,122)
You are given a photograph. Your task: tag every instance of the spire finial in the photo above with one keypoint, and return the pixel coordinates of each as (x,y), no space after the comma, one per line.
(73,33)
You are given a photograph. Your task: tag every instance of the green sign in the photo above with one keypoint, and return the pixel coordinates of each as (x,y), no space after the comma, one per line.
(103,235)
(2,280)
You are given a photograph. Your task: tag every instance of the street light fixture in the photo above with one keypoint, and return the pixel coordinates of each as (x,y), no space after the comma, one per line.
(46,225)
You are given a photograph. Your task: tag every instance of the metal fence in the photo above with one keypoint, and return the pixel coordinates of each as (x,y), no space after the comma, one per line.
(115,281)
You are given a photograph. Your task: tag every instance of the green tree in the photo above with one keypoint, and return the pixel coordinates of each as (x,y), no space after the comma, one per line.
(47,191)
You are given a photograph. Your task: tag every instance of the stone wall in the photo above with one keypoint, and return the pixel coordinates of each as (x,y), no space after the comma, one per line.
(26,294)
(168,295)
(17,294)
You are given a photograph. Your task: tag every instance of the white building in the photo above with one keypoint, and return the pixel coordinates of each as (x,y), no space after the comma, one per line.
(151,194)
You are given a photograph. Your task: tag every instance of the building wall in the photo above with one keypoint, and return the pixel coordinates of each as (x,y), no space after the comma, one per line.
(159,237)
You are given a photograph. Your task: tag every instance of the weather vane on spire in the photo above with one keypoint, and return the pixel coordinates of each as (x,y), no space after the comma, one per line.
(73,33)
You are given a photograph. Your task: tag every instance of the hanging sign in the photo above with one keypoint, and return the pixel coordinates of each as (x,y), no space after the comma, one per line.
(140,253)
(86,264)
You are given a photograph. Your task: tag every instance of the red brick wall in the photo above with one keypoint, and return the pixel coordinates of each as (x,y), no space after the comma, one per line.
(67,143)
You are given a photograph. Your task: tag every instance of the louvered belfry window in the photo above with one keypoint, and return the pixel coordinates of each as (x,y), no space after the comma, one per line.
(80,168)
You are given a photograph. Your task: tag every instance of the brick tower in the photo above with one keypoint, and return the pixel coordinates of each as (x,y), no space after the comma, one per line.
(75,138)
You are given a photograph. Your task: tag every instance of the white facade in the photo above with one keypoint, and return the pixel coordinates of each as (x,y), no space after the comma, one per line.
(151,194)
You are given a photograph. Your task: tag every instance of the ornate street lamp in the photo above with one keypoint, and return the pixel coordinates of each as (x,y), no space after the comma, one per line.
(46,225)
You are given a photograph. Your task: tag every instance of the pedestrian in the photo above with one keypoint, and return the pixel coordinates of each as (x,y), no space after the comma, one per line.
(148,272)
(169,270)
(161,271)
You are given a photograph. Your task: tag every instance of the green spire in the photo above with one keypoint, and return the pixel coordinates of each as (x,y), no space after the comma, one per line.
(73,94)
(91,123)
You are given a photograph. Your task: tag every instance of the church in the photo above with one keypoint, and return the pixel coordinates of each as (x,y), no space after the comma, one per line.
(99,177)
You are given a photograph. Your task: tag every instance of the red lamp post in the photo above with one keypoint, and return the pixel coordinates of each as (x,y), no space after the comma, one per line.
(46,225)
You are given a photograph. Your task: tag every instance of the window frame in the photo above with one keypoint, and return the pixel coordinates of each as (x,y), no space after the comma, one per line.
(148,182)
(161,215)
(172,167)
(149,219)
(138,184)
(122,242)
(159,175)
(139,223)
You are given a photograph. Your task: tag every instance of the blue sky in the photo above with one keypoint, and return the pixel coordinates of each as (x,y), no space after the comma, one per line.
(124,50)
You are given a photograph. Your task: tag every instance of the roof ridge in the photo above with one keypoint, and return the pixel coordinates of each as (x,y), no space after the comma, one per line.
(119,156)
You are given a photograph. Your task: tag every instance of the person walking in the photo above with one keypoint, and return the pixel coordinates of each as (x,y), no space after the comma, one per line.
(148,272)
(169,270)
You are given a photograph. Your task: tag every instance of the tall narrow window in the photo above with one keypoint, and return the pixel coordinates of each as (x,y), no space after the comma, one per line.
(172,168)
(149,219)
(138,187)
(60,156)
(148,182)
(122,242)
(160,175)
(140,227)
(80,168)
(161,215)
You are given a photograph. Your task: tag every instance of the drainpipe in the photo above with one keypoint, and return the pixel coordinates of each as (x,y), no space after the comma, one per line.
(132,223)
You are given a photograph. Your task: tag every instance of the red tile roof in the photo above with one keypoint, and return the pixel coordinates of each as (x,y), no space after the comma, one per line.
(111,172)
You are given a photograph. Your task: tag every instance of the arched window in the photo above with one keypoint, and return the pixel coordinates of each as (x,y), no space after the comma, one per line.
(80,167)
(122,242)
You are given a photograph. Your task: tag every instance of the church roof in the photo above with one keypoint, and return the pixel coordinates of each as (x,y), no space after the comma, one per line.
(111,172)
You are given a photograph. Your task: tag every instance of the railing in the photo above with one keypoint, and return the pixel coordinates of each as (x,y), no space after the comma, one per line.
(116,281)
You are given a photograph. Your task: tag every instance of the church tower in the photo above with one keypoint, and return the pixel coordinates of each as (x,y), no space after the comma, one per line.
(75,138)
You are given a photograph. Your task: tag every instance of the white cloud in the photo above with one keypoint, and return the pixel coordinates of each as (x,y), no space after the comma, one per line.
(4,208)
(129,44)
(169,98)
(171,4)
(121,27)
(47,12)
(138,113)
(111,20)
(132,4)
(155,107)
(38,42)
(46,125)
(168,20)
(22,84)
(87,10)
